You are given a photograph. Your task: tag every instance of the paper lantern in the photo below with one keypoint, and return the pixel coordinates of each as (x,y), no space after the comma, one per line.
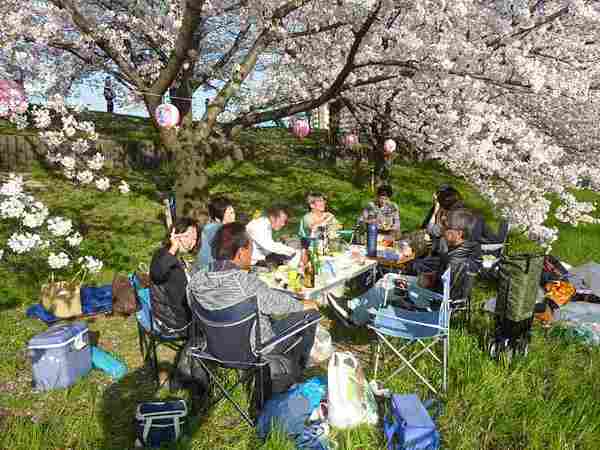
(166,115)
(350,140)
(301,128)
(389,146)
(12,98)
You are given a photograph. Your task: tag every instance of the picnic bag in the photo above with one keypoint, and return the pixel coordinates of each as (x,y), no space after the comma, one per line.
(350,399)
(123,295)
(158,423)
(96,299)
(408,425)
(62,298)
(518,281)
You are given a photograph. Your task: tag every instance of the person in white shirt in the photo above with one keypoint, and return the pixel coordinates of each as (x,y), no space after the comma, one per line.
(261,232)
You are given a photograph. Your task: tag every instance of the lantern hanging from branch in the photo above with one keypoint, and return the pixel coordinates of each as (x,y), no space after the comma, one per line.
(389,146)
(301,128)
(12,98)
(167,115)
(350,140)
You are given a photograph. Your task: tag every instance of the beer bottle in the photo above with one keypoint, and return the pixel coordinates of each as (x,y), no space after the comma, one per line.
(309,274)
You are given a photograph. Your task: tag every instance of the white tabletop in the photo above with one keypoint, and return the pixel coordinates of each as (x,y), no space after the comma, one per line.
(345,268)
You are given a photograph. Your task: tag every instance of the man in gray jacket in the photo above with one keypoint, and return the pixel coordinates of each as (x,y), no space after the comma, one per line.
(225,285)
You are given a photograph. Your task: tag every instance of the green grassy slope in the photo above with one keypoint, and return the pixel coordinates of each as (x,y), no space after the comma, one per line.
(550,400)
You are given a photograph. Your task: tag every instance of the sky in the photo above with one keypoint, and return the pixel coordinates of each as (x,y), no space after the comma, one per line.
(93,99)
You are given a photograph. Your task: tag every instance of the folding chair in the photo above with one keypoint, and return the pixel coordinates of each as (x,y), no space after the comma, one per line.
(149,336)
(228,334)
(491,250)
(390,322)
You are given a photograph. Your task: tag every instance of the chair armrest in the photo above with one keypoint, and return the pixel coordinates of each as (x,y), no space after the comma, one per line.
(310,318)
(491,247)
(374,312)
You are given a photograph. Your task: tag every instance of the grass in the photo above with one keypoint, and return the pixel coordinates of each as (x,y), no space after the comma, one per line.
(550,400)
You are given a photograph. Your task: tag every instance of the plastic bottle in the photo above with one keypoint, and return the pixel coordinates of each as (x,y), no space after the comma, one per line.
(372,230)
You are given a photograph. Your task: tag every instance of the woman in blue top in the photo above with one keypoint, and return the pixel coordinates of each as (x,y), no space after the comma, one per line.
(220,212)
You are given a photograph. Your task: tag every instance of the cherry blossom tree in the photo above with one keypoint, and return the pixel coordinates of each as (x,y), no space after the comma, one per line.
(504,93)
(152,46)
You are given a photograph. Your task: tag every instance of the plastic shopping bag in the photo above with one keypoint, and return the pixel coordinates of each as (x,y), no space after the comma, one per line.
(351,401)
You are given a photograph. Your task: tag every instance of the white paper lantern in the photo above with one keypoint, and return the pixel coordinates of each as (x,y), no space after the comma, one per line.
(167,115)
(350,140)
(389,146)
(301,128)
(12,98)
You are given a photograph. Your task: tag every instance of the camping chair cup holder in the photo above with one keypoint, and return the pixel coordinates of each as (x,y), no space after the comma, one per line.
(228,334)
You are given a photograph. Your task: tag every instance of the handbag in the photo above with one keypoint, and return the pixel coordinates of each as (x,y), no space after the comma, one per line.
(62,298)
(123,295)
(408,425)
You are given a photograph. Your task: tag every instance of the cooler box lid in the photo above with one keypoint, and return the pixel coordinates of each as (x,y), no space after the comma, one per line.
(58,335)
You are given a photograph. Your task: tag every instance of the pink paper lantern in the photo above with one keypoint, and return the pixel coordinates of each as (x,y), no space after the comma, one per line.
(301,128)
(350,140)
(389,146)
(12,98)
(167,115)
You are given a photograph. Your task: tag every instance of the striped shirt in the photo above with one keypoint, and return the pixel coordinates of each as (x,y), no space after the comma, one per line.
(225,285)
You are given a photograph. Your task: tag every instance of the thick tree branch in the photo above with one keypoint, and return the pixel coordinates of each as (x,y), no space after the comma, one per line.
(328,94)
(89,27)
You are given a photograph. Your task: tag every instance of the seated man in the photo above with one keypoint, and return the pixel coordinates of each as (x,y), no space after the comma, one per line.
(317,217)
(260,231)
(460,257)
(225,285)
(384,212)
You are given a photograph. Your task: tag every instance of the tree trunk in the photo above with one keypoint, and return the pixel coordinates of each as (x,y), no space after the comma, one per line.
(191,183)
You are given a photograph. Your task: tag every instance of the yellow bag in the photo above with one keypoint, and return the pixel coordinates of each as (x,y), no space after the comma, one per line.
(62,298)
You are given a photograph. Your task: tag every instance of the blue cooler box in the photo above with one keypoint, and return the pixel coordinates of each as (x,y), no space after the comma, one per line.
(60,356)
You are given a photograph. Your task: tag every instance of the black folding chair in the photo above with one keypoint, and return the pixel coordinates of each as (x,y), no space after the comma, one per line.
(227,335)
(150,338)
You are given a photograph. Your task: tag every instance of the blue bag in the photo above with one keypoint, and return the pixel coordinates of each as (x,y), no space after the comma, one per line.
(158,423)
(96,300)
(291,410)
(37,311)
(144,314)
(409,426)
(108,363)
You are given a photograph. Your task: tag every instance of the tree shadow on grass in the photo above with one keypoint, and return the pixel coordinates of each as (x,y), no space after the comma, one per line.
(119,404)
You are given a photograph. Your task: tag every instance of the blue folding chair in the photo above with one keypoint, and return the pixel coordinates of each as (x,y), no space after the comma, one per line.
(149,335)
(426,328)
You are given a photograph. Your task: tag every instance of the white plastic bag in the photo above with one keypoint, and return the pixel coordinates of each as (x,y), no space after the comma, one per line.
(322,349)
(350,399)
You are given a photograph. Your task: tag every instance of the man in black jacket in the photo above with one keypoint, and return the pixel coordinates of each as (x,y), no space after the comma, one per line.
(461,255)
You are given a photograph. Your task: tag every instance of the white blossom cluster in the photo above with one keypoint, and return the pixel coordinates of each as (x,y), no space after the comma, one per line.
(37,235)
(91,264)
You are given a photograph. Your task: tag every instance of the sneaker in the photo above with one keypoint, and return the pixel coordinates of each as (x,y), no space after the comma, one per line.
(340,312)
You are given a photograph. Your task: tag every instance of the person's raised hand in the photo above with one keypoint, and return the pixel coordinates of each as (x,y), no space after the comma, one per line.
(174,241)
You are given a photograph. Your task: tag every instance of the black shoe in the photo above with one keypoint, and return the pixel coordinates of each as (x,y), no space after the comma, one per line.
(340,313)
